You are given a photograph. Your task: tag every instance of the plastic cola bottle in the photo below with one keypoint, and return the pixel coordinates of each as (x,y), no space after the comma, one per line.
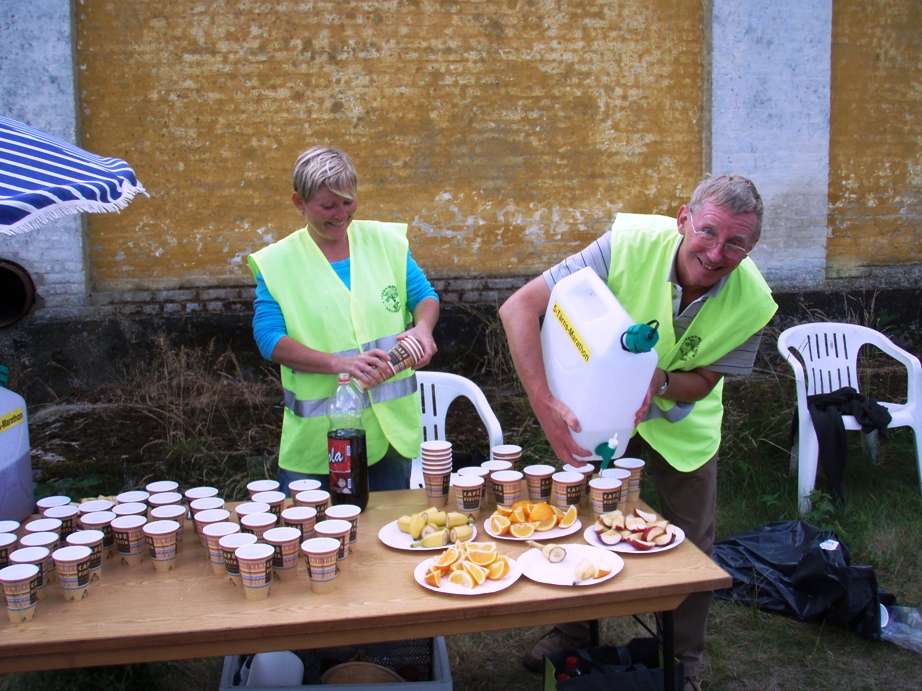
(599,362)
(347,452)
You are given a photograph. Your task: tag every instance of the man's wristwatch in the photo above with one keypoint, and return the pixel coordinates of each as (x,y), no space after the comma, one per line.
(665,386)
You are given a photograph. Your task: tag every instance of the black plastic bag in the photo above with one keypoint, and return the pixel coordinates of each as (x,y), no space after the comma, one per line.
(795,568)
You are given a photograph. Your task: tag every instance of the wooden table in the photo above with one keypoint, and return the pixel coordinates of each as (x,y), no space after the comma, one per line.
(134,614)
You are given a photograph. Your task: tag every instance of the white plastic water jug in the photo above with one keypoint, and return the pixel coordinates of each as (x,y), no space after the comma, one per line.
(17,497)
(589,366)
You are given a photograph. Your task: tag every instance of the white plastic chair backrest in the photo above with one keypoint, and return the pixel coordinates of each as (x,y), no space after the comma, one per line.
(828,352)
(438,389)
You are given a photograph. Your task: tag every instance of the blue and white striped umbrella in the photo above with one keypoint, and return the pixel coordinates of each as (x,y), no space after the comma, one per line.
(43,178)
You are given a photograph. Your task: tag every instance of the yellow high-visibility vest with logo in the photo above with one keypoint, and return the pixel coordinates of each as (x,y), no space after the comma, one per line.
(642,252)
(323,314)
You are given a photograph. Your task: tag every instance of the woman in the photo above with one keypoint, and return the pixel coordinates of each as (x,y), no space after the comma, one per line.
(334,297)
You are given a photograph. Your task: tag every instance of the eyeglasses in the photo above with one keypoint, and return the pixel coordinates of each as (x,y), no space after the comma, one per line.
(732,248)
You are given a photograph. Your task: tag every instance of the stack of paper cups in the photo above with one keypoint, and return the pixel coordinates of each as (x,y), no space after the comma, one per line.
(402,356)
(436,459)
(507,452)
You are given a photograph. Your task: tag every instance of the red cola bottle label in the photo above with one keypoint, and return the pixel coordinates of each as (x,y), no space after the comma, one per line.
(348,459)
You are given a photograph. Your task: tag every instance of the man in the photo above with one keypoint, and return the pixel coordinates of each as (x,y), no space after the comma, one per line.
(712,304)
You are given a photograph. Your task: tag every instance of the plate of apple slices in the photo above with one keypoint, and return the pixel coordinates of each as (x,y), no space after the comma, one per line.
(635,532)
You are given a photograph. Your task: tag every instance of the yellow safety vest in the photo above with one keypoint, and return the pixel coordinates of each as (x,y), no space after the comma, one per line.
(323,314)
(642,253)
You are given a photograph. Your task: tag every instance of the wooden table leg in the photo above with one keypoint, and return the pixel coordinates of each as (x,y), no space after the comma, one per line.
(594,633)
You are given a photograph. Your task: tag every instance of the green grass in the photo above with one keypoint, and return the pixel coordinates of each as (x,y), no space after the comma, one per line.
(747,648)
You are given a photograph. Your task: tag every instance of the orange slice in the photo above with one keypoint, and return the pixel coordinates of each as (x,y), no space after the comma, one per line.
(503,510)
(523,504)
(447,558)
(545,523)
(434,577)
(478,573)
(540,511)
(518,515)
(499,525)
(569,518)
(462,578)
(480,546)
(522,530)
(481,558)
(557,512)
(498,569)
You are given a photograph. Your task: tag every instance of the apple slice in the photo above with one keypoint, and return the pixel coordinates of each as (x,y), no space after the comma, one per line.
(639,544)
(625,533)
(600,527)
(652,532)
(635,524)
(645,515)
(665,539)
(617,519)
(605,519)
(610,537)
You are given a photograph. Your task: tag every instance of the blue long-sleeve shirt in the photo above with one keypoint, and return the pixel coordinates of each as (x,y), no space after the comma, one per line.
(269,323)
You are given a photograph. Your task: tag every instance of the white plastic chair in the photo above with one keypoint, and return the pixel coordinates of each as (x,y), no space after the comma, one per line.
(436,392)
(824,357)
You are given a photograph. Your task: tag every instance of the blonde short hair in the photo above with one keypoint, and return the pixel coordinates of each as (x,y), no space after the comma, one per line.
(736,194)
(324,165)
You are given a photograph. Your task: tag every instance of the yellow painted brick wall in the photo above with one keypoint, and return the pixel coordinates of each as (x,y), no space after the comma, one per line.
(875,193)
(507,133)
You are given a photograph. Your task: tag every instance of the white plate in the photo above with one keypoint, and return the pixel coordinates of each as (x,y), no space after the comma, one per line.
(551,534)
(487,587)
(536,567)
(392,536)
(625,548)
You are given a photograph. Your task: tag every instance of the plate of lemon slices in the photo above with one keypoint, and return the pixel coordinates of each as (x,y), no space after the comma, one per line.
(532,521)
(579,565)
(470,568)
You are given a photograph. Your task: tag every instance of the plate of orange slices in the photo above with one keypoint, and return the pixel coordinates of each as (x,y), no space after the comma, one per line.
(469,568)
(526,520)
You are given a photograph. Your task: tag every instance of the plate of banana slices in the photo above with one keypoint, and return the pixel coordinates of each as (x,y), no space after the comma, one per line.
(573,565)
(428,530)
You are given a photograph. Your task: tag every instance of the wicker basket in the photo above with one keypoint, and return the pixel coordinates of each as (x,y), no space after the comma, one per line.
(360,673)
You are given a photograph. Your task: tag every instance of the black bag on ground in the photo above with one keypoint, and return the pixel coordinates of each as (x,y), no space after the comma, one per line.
(792,567)
(632,667)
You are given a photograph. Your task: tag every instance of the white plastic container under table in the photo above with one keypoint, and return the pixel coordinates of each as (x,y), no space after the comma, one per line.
(587,367)
(17,496)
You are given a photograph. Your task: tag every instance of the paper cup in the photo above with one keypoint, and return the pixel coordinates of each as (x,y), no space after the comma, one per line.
(304,485)
(44,525)
(539,482)
(317,499)
(67,514)
(437,487)
(435,447)
(478,471)
(161,486)
(206,517)
(273,498)
(39,556)
(46,503)
(101,520)
(132,497)
(11,527)
(257,486)
(321,556)
(493,466)
(338,530)
(95,506)
(92,539)
(258,523)
(50,542)
(255,565)
(507,452)
(213,533)
(568,489)
(204,504)
(622,476)
(172,512)
(161,543)
(194,493)
(302,518)
(635,466)
(286,542)
(229,545)
(72,564)
(19,585)
(346,512)
(587,471)
(129,538)
(164,499)
(7,545)
(468,494)
(604,494)
(507,486)
(130,508)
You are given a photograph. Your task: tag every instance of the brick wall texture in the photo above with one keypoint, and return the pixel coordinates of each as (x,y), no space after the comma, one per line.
(506,134)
